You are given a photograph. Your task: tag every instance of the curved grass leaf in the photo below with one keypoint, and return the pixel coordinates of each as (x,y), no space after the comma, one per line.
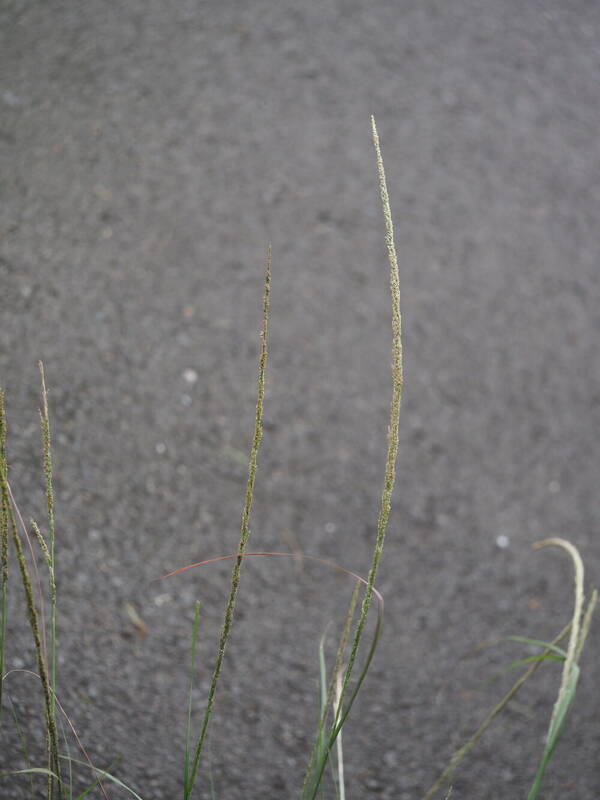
(102,773)
(580,624)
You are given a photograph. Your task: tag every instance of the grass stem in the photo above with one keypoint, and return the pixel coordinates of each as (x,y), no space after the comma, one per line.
(245,529)
(392,453)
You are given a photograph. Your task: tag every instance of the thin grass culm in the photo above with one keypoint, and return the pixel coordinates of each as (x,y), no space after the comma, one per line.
(244,533)
(314,772)
(188,730)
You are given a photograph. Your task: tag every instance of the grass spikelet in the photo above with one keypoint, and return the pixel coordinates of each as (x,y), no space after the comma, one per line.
(42,543)
(244,533)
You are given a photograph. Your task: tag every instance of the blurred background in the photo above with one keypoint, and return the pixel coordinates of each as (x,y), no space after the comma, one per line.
(150,151)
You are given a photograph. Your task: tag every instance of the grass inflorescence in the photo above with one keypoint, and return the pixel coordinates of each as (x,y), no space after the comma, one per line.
(338,686)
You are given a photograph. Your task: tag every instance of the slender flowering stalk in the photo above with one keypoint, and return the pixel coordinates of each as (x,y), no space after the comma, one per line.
(35,630)
(47,459)
(390,470)
(397,384)
(47,456)
(244,534)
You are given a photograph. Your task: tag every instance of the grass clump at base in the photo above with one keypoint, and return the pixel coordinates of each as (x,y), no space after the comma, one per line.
(338,689)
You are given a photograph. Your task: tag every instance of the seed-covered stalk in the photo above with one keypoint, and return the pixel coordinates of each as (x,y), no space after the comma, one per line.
(393,431)
(35,628)
(47,456)
(393,434)
(244,534)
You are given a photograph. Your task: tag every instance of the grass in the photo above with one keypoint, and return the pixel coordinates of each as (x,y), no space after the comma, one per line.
(338,687)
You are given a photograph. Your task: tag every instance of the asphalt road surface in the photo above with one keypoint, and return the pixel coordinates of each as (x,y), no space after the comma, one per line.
(150,151)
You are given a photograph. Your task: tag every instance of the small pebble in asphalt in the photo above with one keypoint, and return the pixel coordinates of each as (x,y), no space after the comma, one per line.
(190,376)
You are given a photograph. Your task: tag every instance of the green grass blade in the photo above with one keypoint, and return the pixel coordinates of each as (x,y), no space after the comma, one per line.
(317,752)
(558,721)
(322,673)
(539,643)
(580,624)
(30,771)
(529,659)
(102,773)
(586,623)
(324,701)
(312,785)
(92,785)
(340,785)
(323,697)
(459,755)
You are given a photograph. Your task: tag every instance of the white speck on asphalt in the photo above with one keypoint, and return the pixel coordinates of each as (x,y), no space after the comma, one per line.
(190,376)
(502,541)
(161,599)
(161,448)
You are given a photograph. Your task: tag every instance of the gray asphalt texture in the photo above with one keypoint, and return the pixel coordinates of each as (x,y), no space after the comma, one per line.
(150,151)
